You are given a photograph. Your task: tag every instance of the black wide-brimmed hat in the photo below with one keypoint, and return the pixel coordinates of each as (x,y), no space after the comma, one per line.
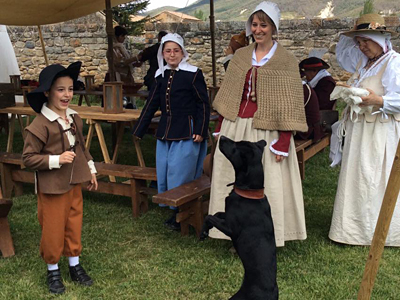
(36,98)
(313,63)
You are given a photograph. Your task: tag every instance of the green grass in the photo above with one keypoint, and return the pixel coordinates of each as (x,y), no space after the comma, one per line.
(141,259)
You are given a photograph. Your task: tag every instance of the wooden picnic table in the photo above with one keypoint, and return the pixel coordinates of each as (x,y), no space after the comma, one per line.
(94,116)
(85,93)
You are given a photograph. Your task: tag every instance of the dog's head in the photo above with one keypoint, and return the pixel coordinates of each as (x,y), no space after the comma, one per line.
(246,158)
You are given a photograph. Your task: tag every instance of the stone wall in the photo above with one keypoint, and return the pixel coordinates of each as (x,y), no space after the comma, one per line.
(85,39)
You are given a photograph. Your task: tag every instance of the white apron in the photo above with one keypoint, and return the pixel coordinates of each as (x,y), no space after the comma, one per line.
(369,149)
(281,180)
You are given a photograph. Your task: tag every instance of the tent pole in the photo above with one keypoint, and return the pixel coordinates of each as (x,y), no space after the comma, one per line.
(42,43)
(381,229)
(110,34)
(212,30)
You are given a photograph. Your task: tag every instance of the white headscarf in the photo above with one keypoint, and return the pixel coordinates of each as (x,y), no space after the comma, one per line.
(272,11)
(382,39)
(183,65)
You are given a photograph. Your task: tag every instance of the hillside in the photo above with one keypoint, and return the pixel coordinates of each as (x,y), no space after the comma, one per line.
(238,10)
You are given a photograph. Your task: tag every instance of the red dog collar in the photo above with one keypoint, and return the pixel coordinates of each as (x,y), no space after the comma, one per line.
(250,194)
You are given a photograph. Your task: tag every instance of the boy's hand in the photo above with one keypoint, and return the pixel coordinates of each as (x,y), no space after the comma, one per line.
(93,183)
(67,157)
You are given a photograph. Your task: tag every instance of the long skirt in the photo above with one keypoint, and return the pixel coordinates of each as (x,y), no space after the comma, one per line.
(368,154)
(281,180)
(178,162)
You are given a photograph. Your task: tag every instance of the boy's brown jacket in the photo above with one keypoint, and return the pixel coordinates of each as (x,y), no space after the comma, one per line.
(46,138)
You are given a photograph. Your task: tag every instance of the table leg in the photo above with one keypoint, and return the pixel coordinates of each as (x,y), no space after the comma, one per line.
(138,151)
(103,146)
(28,121)
(21,125)
(120,133)
(11,134)
(87,100)
(80,100)
(90,134)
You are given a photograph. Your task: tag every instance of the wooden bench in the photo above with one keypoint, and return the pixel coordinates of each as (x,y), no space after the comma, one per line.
(13,174)
(188,198)
(306,149)
(6,243)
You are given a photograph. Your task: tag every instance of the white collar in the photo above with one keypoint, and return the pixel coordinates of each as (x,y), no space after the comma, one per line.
(183,65)
(51,115)
(321,74)
(266,58)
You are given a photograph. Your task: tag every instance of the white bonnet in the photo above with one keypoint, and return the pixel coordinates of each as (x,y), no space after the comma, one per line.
(272,11)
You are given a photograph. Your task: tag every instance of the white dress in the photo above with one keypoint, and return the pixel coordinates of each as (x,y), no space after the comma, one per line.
(370,145)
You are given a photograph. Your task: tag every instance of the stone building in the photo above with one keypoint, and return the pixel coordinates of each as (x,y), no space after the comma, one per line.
(85,39)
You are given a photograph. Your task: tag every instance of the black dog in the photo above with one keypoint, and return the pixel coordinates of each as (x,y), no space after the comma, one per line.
(247,221)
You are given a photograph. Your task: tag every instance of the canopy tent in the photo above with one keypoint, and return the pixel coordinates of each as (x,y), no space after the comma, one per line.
(41,12)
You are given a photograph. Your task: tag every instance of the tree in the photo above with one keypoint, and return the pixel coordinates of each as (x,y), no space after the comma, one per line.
(368,7)
(122,14)
(199,14)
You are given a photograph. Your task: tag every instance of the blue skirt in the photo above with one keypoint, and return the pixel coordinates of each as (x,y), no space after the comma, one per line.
(178,162)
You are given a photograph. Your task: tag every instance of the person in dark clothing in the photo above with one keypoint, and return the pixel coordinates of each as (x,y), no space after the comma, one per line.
(311,106)
(320,80)
(150,54)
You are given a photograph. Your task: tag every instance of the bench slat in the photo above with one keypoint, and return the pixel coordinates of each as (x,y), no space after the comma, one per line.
(317,147)
(302,144)
(112,188)
(126,171)
(184,193)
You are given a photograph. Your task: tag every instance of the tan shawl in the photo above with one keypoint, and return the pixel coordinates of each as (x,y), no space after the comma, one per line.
(279,91)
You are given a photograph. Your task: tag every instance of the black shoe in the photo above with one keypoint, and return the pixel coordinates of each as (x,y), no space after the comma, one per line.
(174,226)
(78,274)
(170,220)
(54,281)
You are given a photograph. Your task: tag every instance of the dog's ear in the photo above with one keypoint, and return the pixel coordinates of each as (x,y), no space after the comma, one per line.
(226,144)
(261,144)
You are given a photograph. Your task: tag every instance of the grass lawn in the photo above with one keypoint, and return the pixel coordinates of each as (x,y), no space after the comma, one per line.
(142,259)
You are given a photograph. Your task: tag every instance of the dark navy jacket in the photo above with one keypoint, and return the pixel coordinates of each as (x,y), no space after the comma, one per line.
(182,98)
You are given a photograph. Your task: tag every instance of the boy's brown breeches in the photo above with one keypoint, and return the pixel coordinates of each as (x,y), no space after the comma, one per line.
(60,217)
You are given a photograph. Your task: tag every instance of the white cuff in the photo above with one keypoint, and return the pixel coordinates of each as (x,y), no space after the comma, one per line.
(54,162)
(92,167)
(215,134)
(277,152)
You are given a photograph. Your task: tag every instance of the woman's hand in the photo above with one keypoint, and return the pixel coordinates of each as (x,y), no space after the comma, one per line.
(372,99)
(93,183)
(67,157)
(279,158)
(197,138)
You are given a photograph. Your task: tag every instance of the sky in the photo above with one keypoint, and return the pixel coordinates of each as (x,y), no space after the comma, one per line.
(177,3)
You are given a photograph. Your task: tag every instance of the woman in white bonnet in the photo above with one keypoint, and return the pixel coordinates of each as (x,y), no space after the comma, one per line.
(261,97)
(180,92)
(371,138)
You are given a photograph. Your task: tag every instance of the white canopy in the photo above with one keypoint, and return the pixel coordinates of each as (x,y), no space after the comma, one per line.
(40,12)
